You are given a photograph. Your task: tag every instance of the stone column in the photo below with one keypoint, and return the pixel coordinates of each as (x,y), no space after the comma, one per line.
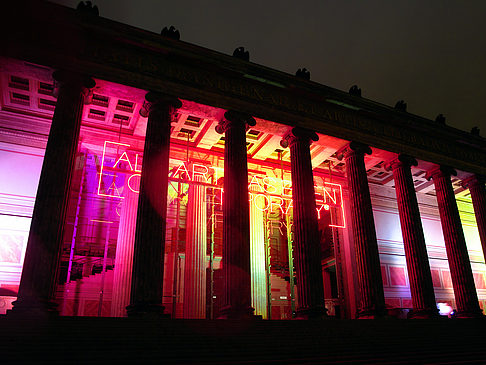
(122,276)
(371,297)
(458,258)
(39,278)
(196,247)
(475,184)
(236,217)
(149,247)
(421,287)
(259,292)
(307,259)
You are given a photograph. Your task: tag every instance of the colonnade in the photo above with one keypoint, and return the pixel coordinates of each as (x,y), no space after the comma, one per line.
(44,245)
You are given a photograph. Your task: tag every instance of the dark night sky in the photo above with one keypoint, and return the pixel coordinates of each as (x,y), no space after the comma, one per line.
(430,53)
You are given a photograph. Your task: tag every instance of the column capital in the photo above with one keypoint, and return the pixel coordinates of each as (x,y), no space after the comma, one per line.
(231,117)
(298,134)
(440,171)
(473,180)
(353,148)
(67,78)
(155,100)
(401,160)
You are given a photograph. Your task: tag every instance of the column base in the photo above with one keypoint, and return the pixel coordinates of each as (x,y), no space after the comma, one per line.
(146,310)
(238,313)
(469,314)
(423,314)
(381,313)
(315,313)
(33,309)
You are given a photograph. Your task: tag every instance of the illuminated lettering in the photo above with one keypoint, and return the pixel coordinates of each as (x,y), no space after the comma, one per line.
(217,173)
(129,183)
(273,225)
(289,207)
(123,157)
(182,169)
(327,194)
(136,164)
(263,199)
(269,184)
(267,193)
(255,183)
(113,187)
(288,228)
(287,188)
(199,173)
(276,201)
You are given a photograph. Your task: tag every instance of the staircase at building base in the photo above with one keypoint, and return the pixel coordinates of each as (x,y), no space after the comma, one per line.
(81,297)
(125,340)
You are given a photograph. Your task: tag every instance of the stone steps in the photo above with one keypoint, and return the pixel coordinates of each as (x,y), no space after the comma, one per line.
(126,340)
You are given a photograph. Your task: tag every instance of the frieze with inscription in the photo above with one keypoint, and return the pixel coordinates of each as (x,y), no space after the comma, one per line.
(335,120)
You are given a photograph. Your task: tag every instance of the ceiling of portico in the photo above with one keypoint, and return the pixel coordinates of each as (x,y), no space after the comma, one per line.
(114,109)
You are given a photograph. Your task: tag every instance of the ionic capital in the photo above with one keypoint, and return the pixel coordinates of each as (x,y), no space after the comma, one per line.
(64,78)
(473,180)
(353,148)
(440,171)
(232,117)
(298,134)
(402,160)
(155,100)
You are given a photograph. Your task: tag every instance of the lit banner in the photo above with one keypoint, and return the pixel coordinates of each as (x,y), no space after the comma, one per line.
(121,167)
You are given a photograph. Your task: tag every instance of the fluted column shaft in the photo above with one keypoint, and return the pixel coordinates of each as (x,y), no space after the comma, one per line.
(39,278)
(421,286)
(371,296)
(195,257)
(236,218)
(455,242)
(259,287)
(310,289)
(122,276)
(475,184)
(149,247)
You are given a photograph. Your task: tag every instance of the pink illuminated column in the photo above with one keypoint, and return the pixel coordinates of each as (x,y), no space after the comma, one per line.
(122,277)
(148,253)
(236,217)
(371,297)
(196,246)
(475,184)
(457,255)
(38,282)
(310,289)
(421,287)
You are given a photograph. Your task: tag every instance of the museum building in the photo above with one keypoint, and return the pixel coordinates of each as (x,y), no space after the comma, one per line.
(143,175)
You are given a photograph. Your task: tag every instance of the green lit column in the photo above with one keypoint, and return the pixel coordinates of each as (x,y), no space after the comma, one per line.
(259,293)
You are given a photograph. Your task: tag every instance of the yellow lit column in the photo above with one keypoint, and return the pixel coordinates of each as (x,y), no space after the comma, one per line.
(196,246)
(259,295)
(122,278)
